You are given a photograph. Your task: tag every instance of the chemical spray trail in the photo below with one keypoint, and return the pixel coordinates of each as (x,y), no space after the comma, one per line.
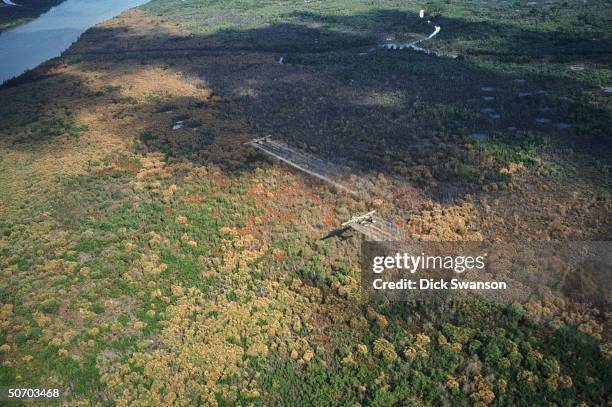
(307,163)
(377,229)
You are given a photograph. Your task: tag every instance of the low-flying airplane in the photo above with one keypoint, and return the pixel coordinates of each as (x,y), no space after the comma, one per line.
(261,140)
(361,219)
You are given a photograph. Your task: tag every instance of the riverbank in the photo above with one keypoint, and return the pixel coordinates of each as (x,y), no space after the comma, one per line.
(145,262)
(23,12)
(49,35)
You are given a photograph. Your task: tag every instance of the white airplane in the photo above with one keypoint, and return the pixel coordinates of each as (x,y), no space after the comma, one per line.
(362,219)
(260,140)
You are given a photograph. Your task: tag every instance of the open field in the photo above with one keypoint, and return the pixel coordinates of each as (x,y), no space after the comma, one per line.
(146,265)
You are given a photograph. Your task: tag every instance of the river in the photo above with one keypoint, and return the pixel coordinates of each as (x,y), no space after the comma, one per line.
(46,37)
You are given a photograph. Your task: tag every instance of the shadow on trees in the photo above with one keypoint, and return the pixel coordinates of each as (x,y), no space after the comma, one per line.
(337,95)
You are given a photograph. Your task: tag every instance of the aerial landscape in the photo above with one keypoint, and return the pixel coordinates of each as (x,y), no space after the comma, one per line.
(187,188)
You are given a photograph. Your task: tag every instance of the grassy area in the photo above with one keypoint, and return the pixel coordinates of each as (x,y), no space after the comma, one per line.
(146,265)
